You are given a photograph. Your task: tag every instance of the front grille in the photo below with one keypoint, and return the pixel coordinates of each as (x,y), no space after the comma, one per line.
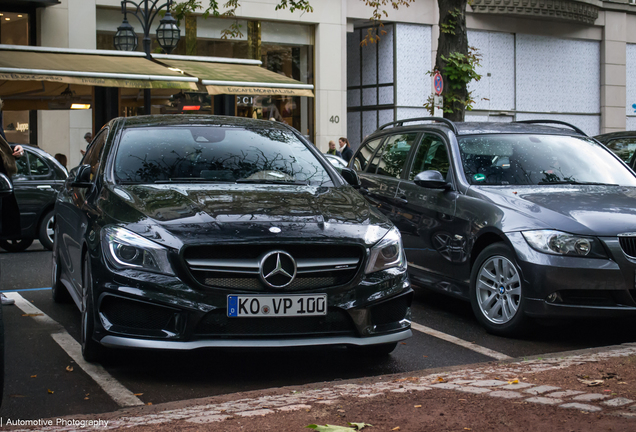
(134,314)
(237,266)
(217,323)
(628,244)
(390,311)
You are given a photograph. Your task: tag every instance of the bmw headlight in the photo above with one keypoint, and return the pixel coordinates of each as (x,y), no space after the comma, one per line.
(387,253)
(126,250)
(560,243)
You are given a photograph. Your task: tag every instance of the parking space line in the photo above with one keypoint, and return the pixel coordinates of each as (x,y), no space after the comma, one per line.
(120,394)
(457,341)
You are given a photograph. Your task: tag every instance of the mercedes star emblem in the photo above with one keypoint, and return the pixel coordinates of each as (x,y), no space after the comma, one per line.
(278,269)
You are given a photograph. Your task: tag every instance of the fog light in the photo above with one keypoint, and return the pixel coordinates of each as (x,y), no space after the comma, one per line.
(552,297)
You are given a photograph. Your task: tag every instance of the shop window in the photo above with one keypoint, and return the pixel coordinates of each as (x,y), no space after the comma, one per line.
(14,28)
(16,126)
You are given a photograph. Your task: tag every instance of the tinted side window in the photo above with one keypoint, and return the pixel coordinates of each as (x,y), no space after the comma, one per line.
(38,166)
(94,152)
(390,161)
(366,152)
(431,155)
(623,147)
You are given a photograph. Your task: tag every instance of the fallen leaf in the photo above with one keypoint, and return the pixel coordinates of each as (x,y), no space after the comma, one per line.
(69,368)
(86,398)
(441,379)
(514,381)
(396,428)
(137,394)
(402,343)
(50,391)
(32,314)
(424,356)
(149,403)
(608,390)
(590,383)
(622,382)
(417,406)
(359,426)
(35,376)
(463,400)
(470,428)
(341,410)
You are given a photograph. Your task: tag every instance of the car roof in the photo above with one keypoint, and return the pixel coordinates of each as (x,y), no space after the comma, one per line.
(609,136)
(197,119)
(478,128)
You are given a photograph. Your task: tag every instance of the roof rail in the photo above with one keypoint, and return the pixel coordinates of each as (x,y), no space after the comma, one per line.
(552,122)
(448,123)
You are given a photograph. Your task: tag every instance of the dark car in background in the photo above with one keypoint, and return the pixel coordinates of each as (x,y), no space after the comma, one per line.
(621,143)
(36,184)
(185,232)
(522,219)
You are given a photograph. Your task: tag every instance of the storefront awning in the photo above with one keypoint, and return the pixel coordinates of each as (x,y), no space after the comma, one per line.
(236,77)
(87,67)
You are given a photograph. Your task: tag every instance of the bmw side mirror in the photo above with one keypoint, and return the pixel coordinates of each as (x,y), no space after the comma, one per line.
(82,177)
(350,177)
(6,188)
(431,179)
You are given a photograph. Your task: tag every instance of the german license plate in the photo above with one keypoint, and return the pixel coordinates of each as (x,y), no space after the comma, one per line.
(276,305)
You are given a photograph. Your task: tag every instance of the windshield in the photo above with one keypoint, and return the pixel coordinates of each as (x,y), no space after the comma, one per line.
(515,159)
(183,154)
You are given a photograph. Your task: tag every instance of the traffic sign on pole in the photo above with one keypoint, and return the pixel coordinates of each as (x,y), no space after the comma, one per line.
(438,83)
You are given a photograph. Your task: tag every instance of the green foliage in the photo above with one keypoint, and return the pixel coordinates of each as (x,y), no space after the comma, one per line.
(459,71)
(185,7)
(449,26)
(373,33)
(335,428)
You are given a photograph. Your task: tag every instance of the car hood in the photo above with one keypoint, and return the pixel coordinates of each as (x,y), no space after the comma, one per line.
(587,210)
(195,214)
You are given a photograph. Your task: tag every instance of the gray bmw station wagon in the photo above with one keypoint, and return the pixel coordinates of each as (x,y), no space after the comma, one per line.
(522,219)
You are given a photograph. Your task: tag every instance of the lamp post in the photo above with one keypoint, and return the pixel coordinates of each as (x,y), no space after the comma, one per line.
(145,11)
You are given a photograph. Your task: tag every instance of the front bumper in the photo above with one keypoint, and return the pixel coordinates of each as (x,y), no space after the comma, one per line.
(141,310)
(563,286)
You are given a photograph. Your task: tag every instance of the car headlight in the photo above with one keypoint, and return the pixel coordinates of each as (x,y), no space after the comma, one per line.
(387,253)
(560,243)
(126,250)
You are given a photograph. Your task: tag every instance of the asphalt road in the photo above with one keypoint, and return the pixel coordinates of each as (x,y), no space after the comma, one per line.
(39,382)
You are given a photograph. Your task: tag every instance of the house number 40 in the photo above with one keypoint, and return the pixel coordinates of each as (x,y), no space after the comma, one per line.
(334,119)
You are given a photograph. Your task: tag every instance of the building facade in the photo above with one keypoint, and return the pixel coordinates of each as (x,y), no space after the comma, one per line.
(565,59)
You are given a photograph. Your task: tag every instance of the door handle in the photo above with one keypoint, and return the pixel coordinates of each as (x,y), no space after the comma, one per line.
(44,187)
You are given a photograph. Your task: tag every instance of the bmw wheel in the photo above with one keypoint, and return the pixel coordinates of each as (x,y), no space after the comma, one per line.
(496,291)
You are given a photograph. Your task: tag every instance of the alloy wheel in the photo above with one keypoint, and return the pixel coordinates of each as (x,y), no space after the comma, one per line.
(498,290)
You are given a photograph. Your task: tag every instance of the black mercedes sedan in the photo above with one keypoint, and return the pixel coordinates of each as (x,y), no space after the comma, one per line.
(184,232)
(523,220)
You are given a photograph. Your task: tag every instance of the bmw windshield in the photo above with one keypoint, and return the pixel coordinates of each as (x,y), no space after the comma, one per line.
(215,154)
(519,159)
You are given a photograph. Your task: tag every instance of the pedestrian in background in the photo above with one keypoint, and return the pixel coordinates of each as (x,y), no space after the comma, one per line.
(332,149)
(88,137)
(10,219)
(345,149)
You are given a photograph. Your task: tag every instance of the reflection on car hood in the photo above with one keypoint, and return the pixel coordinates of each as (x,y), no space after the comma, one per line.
(200,213)
(589,210)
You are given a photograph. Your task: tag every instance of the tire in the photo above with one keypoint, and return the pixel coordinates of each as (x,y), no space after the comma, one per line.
(92,350)
(496,292)
(15,245)
(59,292)
(374,351)
(46,230)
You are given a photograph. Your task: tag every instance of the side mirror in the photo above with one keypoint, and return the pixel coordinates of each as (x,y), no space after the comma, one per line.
(350,177)
(432,180)
(6,188)
(82,177)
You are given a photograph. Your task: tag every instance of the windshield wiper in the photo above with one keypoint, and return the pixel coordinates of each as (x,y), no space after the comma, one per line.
(277,182)
(190,180)
(572,182)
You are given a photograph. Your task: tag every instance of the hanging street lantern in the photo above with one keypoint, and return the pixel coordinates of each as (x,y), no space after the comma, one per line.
(168,33)
(125,39)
